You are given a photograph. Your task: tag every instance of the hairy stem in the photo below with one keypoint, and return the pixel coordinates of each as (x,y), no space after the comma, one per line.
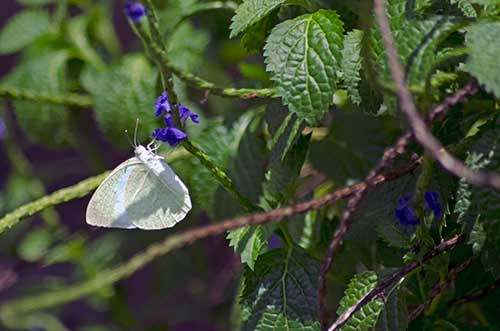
(70,99)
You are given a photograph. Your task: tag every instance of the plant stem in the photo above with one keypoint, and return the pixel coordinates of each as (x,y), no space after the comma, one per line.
(219,174)
(69,99)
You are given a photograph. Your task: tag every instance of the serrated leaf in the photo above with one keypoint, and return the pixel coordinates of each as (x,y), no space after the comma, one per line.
(482,63)
(303,56)
(366,317)
(351,64)
(250,12)
(22,29)
(466,7)
(281,293)
(280,184)
(123,94)
(43,123)
(250,242)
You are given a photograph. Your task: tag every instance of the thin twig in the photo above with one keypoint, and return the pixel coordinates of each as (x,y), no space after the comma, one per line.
(389,281)
(438,288)
(175,241)
(477,294)
(422,133)
(69,99)
(389,154)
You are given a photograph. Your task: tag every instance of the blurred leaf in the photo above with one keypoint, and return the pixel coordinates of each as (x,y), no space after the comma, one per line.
(35,2)
(303,55)
(43,123)
(366,317)
(78,36)
(351,64)
(71,250)
(22,29)
(355,143)
(123,94)
(254,37)
(482,44)
(35,321)
(250,12)
(186,47)
(281,293)
(35,244)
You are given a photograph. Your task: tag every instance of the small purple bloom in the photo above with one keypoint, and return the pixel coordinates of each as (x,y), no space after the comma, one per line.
(3,129)
(432,199)
(162,104)
(273,241)
(171,134)
(404,213)
(134,10)
(185,113)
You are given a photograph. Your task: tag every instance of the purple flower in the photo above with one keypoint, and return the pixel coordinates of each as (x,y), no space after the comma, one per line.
(185,113)
(3,129)
(432,199)
(171,134)
(134,10)
(404,213)
(162,104)
(273,241)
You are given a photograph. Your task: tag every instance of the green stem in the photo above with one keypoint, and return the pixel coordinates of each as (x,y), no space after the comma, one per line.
(66,194)
(219,174)
(69,99)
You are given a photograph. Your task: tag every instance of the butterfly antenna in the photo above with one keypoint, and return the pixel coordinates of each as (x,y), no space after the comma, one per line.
(135,132)
(129,140)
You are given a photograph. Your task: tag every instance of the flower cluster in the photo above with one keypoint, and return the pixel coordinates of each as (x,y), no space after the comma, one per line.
(134,10)
(170,133)
(406,214)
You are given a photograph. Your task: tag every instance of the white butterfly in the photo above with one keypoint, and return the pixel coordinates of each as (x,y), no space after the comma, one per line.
(142,192)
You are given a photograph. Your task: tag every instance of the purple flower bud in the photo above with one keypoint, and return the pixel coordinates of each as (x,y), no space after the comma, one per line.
(185,113)
(134,10)
(3,129)
(273,241)
(404,213)
(432,199)
(162,104)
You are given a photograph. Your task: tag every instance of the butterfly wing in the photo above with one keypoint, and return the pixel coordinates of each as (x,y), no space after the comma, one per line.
(107,206)
(157,201)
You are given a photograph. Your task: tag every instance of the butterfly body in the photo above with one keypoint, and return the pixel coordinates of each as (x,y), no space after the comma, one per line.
(142,192)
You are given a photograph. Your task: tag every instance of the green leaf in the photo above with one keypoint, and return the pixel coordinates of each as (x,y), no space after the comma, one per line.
(186,47)
(483,47)
(77,35)
(43,123)
(250,242)
(281,293)
(22,29)
(355,143)
(123,94)
(351,64)
(247,171)
(303,56)
(366,317)
(466,7)
(250,12)
(35,245)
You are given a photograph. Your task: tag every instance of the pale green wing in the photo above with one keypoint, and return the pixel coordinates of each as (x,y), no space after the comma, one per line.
(107,206)
(156,202)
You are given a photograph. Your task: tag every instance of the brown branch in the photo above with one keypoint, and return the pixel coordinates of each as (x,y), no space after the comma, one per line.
(389,154)
(107,277)
(394,278)
(422,134)
(438,288)
(477,294)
